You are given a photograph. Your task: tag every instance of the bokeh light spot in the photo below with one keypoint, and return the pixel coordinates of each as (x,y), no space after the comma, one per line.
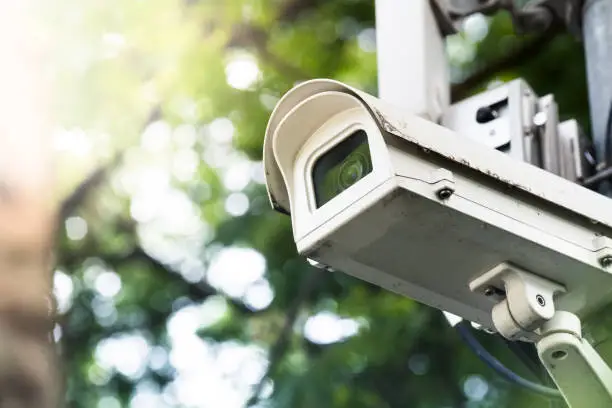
(63,289)
(128,354)
(242,72)
(156,137)
(237,204)
(221,130)
(234,270)
(367,40)
(259,295)
(328,328)
(76,228)
(475,388)
(109,402)
(108,284)
(419,364)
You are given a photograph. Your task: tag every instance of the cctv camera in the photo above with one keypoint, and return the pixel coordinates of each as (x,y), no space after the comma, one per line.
(415,208)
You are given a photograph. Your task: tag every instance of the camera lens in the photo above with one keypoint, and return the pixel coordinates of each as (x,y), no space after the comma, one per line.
(341,167)
(352,170)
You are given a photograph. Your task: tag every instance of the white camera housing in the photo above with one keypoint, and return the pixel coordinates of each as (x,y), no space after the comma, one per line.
(437,211)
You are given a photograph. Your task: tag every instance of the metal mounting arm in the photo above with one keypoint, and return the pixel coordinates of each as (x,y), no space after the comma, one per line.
(525,311)
(582,376)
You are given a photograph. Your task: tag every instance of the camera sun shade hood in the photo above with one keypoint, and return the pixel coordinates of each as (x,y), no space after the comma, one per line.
(429,136)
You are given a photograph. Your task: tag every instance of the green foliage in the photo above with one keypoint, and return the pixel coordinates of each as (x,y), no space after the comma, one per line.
(153,79)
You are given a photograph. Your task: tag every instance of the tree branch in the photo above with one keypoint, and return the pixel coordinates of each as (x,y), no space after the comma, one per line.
(255,38)
(278,349)
(200,289)
(85,188)
(292,9)
(249,36)
(531,49)
(96,178)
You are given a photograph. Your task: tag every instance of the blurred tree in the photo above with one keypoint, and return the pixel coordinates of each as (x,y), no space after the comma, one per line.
(177,285)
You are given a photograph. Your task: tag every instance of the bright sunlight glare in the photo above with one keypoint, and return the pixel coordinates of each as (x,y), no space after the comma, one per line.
(63,289)
(156,137)
(233,270)
(242,72)
(237,204)
(221,130)
(208,374)
(108,284)
(328,328)
(238,175)
(74,142)
(127,353)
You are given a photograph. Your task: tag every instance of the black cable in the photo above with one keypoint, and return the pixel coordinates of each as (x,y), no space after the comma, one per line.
(464,330)
(528,355)
(594,180)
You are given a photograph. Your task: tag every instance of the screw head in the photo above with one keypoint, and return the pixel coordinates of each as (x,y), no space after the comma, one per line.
(493,291)
(444,193)
(605,261)
(319,265)
(490,291)
(541,301)
(540,119)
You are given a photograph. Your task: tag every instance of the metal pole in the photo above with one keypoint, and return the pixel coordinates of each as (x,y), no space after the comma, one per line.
(597,33)
(412,67)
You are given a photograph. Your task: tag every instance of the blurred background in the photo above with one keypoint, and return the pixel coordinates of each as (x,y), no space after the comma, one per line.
(176,284)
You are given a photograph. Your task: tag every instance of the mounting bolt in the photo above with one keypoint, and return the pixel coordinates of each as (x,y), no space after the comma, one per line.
(444,193)
(490,291)
(319,265)
(493,291)
(605,261)
(541,301)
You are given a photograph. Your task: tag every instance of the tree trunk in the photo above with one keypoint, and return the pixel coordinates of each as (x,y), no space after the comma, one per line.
(28,376)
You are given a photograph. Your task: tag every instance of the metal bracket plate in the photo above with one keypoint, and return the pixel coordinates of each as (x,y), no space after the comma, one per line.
(524,301)
(513,119)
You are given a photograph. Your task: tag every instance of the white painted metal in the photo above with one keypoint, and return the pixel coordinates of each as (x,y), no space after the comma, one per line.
(572,151)
(549,139)
(582,376)
(525,127)
(412,65)
(511,131)
(526,301)
(527,309)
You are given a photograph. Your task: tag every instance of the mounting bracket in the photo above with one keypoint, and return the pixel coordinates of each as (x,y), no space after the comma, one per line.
(524,301)
(525,310)
(582,376)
